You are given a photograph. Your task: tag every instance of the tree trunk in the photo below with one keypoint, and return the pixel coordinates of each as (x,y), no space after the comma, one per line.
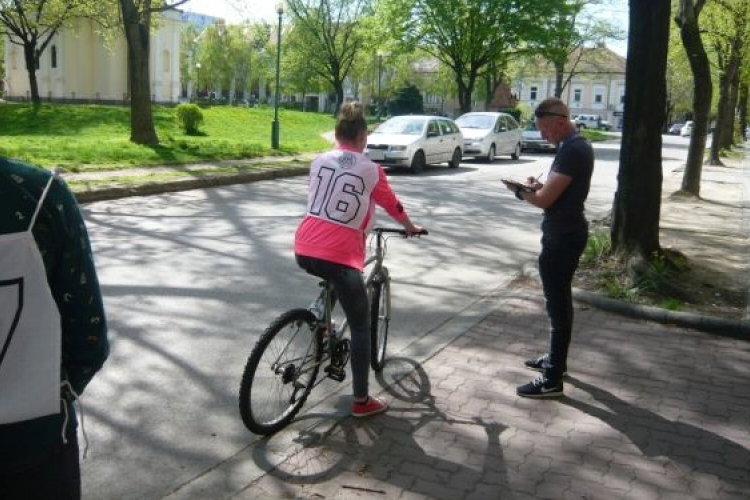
(637,205)
(29,54)
(559,73)
(137,35)
(742,107)
(724,130)
(687,20)
(734,95)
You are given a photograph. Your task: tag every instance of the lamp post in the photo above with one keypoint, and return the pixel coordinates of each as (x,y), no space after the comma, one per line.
(275,124)
(197,81)
(380,69)
(380,73)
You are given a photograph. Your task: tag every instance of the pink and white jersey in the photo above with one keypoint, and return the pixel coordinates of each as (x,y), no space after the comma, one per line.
(343,185)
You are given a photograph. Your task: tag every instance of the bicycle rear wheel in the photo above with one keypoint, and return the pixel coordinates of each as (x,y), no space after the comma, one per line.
(280,372)
(380,317)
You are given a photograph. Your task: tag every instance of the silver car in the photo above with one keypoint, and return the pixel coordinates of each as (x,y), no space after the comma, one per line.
(489,134)
(414,141)
(533,141)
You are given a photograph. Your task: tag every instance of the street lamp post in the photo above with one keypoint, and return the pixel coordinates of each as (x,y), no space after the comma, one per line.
(197,81)
(275,124)
(380,70)
(381,54)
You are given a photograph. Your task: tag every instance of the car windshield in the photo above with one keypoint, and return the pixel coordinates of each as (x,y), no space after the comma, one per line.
(531,126)
(402,125)
(476,121)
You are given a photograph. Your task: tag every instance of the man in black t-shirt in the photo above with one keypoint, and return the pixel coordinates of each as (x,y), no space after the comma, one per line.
(564,235)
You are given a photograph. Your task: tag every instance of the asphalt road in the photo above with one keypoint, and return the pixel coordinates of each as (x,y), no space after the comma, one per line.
(191,279)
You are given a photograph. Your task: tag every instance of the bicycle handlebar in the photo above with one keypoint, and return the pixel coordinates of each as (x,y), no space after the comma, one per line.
(394,230)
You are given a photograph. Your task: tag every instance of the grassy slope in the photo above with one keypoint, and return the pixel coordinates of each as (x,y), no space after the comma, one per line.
(94,137)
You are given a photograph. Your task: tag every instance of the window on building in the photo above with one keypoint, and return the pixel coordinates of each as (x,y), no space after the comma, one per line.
(53,56)
(533,93)
(577,94)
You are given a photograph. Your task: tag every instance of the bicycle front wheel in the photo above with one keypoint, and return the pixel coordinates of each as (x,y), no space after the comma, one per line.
(380,317)
(280,372)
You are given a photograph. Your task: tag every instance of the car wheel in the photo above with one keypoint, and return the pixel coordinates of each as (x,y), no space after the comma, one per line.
(491,153)
(456,160)
(516,154)
(418,162)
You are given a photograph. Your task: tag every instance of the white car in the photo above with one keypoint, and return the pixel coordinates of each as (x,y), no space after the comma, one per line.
(488,134)
(414,141)
(591,121)
(686,129)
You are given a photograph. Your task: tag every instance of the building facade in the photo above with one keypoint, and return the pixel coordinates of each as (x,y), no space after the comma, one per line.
(597,86)
(77,66)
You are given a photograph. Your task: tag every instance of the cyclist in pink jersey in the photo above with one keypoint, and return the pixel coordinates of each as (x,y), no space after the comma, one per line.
(344,188)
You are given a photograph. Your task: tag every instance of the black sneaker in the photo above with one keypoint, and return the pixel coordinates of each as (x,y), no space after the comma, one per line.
(539,364)
(540,388)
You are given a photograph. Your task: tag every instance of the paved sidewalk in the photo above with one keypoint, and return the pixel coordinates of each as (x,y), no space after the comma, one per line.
(650,412)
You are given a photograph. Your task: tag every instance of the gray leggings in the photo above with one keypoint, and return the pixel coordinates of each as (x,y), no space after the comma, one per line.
(351,293)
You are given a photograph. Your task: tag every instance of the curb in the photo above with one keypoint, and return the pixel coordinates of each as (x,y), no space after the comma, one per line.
(152,188)
(722,327)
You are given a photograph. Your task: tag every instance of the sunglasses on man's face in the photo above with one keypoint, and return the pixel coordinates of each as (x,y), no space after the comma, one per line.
(542,114)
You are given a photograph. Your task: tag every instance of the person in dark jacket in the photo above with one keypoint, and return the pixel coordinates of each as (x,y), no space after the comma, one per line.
(53,333)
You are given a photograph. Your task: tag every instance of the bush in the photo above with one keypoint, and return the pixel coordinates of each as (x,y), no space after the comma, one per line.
(407,100)
(189,118)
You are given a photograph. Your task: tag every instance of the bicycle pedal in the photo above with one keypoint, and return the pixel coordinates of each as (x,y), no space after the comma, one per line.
(336,373)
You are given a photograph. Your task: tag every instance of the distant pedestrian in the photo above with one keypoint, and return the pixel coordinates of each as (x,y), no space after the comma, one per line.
(345,185)
(53,333)
(564,235)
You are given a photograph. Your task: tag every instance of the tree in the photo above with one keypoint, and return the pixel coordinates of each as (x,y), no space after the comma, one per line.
(331,36)
(571,30)
(467,35)
(299,75)
(688,12)
(407,100)
(32,24)
(637,204)
(136,18)
(679,80)
(728,25)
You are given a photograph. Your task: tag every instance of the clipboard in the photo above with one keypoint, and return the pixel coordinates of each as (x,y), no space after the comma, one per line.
(518,185)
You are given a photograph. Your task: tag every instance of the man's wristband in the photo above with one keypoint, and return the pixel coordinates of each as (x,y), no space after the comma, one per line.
(518,194)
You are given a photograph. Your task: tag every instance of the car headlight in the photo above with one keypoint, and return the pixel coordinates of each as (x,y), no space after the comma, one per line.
(398,148)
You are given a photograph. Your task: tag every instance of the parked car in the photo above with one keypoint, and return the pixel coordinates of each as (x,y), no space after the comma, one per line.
(686,129)
(591,121)
(532,140)
(675,128)
(489,134)
(414,141)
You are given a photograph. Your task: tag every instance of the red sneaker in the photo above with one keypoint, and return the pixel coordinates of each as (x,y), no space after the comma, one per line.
(371,406)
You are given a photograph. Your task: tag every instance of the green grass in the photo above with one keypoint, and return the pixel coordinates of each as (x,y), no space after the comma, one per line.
(96,137)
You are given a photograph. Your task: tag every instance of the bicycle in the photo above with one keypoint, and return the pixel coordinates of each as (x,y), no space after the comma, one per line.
(283,366)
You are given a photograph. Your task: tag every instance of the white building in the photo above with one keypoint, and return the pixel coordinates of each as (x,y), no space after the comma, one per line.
(597,86)
(77,66)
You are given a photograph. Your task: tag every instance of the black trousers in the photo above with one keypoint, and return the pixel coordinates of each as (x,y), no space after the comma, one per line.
(352,295)
(557,264)
(52,474)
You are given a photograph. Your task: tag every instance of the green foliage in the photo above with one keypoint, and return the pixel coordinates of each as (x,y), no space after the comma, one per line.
(407,100)
(598,246)
(93,137)
(189,118)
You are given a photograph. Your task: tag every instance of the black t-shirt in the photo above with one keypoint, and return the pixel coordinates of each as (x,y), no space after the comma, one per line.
(575,158)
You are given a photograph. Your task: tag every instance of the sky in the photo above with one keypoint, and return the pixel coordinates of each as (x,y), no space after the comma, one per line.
(612,10)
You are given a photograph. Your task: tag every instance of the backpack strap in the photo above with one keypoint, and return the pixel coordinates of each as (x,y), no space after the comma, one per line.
(41,199)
